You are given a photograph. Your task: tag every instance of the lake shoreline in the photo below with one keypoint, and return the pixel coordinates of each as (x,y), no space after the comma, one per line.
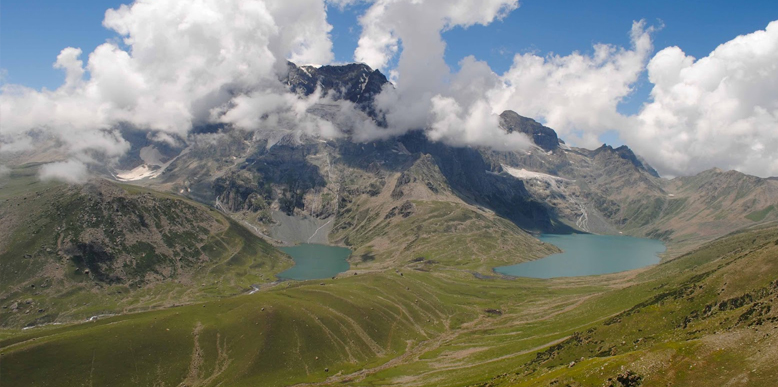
(588,254)
(315,261)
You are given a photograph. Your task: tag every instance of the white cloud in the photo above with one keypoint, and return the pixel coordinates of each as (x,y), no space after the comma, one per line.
(74,67)
(462,114)
(178,62)
(577,94)
(424,95)
(185,63)
(477,126)
(269,109)
(720,110)
(71,171)
(4,171)
(418,24)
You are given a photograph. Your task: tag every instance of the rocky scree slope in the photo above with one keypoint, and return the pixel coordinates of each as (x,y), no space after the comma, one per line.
(271,177)
(551,187)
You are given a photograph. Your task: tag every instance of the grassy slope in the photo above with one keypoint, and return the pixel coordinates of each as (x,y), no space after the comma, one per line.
(349,324)
(35,267)
(446,233)
(704,207)
(439,229)
(442,327)
(711,321)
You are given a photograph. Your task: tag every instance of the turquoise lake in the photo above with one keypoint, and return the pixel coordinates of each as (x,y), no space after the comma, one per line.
(586,254)
(312,261)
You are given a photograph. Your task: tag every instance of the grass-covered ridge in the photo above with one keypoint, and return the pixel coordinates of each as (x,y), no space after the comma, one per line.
(71,252)
(683,322)
(436,233)
(415,314)
(711,320)
(758,216)
(417,220)
(350,329)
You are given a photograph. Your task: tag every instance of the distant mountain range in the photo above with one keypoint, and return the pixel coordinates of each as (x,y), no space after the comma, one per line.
(289,187)
(152,252)
(259,176)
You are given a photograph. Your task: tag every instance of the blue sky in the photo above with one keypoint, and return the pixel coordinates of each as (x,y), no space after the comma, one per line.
(33,32)
(721,111)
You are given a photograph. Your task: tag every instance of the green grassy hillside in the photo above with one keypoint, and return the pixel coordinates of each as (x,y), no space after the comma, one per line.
(712,321)
(416,220)
(707,318)
(435,234)
(71,252)
(351,330)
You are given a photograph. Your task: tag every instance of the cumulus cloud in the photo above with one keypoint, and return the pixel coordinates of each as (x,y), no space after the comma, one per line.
(418,24)
(463,113)
(181,64)
(314,115)
(720,110)
(177,64)
(71,171)
(427,95)
(577,94)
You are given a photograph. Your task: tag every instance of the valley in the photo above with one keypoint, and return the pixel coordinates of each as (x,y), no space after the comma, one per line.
(173,267)
(440,328)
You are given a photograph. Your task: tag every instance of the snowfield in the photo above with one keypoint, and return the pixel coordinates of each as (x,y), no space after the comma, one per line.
(527,175)
(140,172)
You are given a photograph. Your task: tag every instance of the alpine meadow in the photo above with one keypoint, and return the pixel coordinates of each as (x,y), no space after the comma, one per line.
(388,193)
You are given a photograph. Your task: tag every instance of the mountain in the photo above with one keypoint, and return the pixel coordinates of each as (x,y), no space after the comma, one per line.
(297,188)
(405,198)
(171,255)
(542,136)
(355,82)
(71,252)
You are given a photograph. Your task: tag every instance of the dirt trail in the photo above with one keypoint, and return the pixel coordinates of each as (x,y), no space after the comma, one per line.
(455,360)
(193,375)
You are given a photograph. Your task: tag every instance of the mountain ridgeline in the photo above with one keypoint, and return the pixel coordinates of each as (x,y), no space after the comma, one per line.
(391,201)
(72,252)
(163,270)
(271,176)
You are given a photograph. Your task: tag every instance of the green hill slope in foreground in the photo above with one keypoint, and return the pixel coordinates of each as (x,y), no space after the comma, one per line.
(72,252)
(706,318)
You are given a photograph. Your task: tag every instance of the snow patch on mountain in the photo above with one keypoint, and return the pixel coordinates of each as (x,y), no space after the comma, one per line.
(140,172)
(524,174)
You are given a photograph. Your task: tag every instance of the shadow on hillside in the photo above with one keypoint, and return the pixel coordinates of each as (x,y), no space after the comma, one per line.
(466,172)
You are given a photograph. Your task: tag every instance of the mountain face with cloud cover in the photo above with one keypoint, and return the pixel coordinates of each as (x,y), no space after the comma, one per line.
(274,177)
(355,82)
(426,220)
(146,202)
(282,173)
(542,136)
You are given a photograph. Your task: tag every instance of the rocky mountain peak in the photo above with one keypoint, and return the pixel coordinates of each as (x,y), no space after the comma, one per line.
(543,137)
(355,82)
(627,154)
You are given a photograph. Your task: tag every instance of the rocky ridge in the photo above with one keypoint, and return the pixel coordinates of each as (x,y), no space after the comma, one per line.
(606,190)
